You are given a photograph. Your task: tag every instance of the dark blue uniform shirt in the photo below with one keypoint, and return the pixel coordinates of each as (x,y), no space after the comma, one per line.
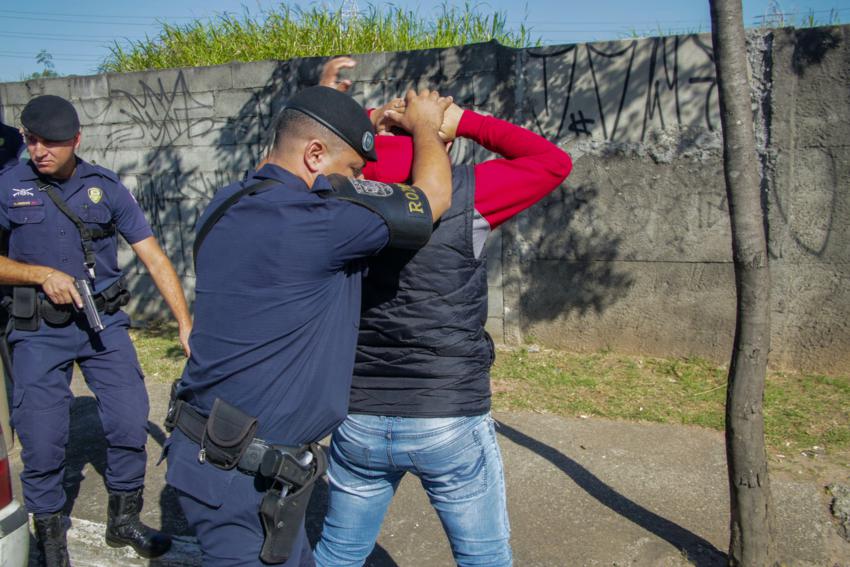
(42,234)
(278,304)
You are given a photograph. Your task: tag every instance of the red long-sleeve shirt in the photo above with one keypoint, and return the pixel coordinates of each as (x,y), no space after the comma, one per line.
(531,166)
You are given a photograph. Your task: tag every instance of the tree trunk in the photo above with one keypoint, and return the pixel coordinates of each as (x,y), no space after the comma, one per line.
(751,541)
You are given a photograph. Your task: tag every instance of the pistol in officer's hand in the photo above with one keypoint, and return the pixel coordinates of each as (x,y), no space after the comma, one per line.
(89,307)
(60,289)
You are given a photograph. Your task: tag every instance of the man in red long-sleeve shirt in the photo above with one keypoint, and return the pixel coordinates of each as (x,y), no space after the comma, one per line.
(420,398)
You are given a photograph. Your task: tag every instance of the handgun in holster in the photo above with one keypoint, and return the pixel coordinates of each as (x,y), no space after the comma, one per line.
(285,504)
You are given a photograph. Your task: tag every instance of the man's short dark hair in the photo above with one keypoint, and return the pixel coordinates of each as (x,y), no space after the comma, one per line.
(294,124)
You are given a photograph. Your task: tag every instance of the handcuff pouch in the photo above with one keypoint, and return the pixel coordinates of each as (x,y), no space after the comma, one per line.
(227,434)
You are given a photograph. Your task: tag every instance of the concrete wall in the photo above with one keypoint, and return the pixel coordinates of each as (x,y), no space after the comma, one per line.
(632,253)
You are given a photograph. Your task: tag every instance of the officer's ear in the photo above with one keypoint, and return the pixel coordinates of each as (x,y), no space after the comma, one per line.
(77,139)
(315,155)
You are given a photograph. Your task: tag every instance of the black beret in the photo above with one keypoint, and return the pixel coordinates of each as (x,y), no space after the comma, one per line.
(341,114)
(51,117)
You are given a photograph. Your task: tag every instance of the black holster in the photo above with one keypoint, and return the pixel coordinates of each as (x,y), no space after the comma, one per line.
(226,441)
(29,309)
(282,512)
(113,298)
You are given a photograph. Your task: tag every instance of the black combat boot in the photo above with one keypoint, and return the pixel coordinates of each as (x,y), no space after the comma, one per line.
(50,537)
(123,526)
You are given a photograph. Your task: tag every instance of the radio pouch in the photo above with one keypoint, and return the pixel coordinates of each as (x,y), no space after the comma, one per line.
(227,434)
(25,308)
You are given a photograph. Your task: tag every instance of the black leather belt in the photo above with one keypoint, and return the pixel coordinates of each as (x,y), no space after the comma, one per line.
(260,457)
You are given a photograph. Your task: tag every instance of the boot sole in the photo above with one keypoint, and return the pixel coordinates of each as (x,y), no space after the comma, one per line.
(112,542)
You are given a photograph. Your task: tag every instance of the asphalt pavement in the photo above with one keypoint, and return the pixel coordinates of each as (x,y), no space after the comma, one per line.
(582,492)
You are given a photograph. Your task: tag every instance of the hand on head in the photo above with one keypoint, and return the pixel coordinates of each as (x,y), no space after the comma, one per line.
(422,110)
(378,115)
(448,129)
(330,73)
(451,118)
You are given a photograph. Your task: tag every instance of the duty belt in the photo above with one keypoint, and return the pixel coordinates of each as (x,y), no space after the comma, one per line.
(259,457)
(226,440)
(29,306)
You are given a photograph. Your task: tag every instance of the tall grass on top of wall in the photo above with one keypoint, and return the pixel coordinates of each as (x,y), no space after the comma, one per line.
(286,32)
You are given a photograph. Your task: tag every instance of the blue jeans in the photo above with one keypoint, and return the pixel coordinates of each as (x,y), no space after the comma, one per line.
(457,460)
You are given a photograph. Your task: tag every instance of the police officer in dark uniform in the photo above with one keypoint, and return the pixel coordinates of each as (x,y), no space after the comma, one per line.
(279,262)
(63,214)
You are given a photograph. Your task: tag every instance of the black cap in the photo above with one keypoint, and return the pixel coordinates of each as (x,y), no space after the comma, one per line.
(341,114)
(51,117)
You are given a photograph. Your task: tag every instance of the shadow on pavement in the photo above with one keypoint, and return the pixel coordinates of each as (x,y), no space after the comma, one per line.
(173,520)
(701,552)
(87,444)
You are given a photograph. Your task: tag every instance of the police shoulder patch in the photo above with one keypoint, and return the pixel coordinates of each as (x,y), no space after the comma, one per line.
(95,194)
(372,188)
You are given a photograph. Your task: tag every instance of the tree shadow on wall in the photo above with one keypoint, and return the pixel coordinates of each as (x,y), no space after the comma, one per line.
(172,195)
(811,46)
(377,78)
(564,270)
(613,105)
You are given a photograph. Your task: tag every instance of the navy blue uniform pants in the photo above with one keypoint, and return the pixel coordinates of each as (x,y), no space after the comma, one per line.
(223,508)
(42,364)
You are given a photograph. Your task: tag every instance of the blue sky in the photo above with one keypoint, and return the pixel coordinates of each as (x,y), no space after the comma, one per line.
(77,34)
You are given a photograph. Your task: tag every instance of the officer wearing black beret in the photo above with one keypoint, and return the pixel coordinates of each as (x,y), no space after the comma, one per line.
(279,262)
(51,117)
(63,214)
(340,114)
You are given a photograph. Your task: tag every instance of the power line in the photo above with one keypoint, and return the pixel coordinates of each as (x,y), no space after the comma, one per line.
(606,22)
(50,39)
(63,57)
(101,16)
(64,21)
(688,21)
(68,59)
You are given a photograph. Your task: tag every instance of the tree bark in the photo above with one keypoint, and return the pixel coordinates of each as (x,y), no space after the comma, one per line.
(751,525)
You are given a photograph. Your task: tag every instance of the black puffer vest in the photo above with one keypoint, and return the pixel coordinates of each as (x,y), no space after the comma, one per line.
(422,349)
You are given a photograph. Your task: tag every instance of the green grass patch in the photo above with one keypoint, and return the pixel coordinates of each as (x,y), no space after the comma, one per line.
(801,410)
(285,32)
(159,351)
